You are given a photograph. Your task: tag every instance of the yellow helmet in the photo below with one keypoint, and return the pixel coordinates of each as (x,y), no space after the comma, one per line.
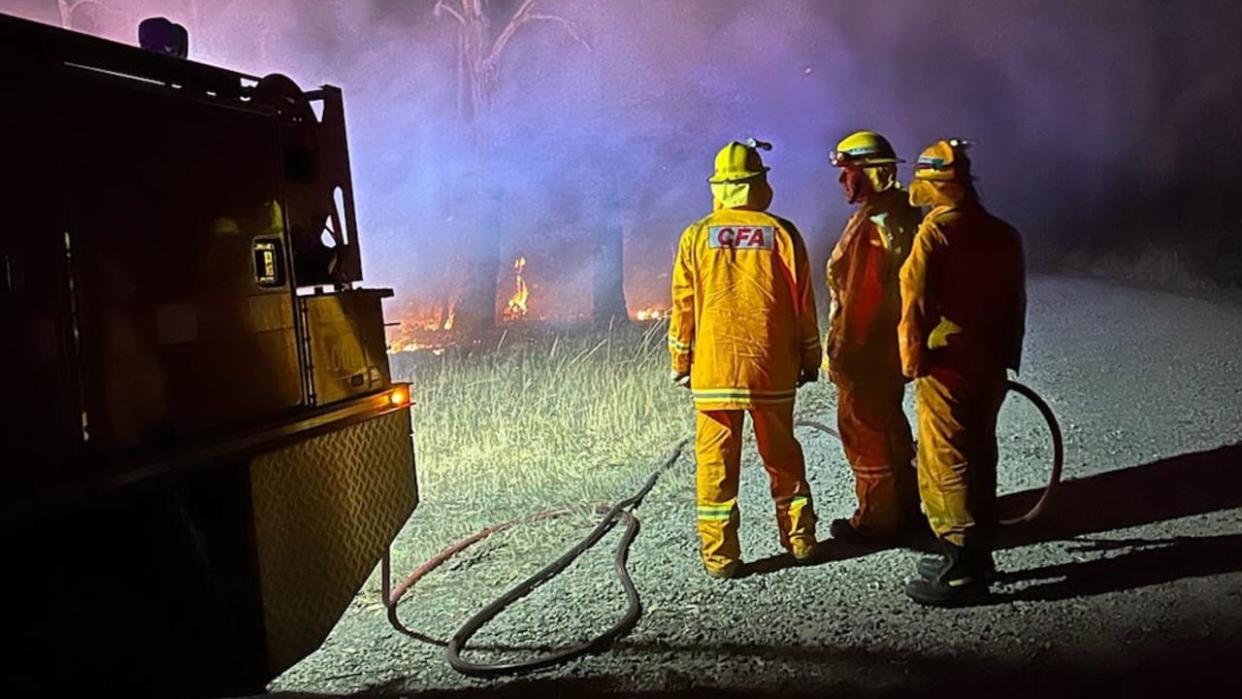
(944,161)
(739,161)
(864,149)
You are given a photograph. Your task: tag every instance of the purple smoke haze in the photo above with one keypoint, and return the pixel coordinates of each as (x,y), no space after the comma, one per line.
(1097,123)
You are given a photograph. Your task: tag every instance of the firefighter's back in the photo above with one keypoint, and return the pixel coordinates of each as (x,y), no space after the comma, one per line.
(746,312)
(978,284)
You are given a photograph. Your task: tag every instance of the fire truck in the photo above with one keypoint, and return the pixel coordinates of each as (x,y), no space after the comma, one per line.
(203,454)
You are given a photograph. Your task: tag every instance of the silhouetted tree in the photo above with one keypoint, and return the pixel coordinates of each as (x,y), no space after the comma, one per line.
(607,253)
(484,30)
(69,8)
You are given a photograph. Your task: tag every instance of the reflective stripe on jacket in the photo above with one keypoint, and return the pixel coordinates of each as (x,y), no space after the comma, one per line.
(743,321)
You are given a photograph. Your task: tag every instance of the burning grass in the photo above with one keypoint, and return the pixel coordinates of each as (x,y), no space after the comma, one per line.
(556,419)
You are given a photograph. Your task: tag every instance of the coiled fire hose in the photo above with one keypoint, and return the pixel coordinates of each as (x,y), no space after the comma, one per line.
(620,511)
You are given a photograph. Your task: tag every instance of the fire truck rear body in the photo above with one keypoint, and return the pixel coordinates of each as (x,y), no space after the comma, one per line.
(204,454)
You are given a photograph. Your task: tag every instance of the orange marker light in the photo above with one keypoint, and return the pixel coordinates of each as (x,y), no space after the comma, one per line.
(399,396)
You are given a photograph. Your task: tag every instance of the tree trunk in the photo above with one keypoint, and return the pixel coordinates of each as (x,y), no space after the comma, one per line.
(608,259)
(476,311)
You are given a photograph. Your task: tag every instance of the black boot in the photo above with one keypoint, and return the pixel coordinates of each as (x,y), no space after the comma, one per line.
(843,530)
(961,576)
(929,566)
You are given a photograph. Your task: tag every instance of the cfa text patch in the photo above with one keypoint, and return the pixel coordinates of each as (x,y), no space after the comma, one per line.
(741,237)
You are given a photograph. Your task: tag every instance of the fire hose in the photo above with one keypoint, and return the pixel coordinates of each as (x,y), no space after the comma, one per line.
(1058,450)
(621,511)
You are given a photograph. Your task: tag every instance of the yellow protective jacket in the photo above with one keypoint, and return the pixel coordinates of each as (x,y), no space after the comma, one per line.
(743,321)
(963,292)
(863,287)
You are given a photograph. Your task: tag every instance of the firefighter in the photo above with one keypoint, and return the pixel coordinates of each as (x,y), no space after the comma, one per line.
(743,337)
(861,344)
(963,317)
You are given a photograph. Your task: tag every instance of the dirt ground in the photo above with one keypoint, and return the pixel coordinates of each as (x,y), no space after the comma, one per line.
(1131,583)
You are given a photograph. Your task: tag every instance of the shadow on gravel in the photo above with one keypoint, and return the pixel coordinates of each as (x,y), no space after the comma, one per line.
(827,551)
(1150,668)
(831,551)
(1149,562)
(1180,486)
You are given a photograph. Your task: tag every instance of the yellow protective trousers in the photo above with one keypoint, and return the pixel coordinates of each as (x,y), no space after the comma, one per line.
(876,437)
(957,453)
(718,452)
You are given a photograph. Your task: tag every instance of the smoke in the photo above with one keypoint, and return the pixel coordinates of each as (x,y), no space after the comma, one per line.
(1097,123)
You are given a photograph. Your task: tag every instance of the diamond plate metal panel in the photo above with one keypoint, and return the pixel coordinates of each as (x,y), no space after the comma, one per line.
(324,511)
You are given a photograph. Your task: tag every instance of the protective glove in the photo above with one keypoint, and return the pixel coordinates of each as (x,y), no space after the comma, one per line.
(680,378)
(807,376)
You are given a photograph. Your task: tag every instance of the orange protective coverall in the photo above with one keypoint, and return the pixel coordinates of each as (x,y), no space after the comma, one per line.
(963,318)
(744,325)
(864,363)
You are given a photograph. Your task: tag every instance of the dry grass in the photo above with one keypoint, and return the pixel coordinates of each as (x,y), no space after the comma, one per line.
(547,419)
(557,419)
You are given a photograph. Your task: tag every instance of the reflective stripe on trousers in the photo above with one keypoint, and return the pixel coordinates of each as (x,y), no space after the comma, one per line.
(875,435)
(718,452)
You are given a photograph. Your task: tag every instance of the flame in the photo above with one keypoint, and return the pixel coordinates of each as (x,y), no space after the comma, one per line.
(424,327)
(436,350)
(517,303)
(653,313)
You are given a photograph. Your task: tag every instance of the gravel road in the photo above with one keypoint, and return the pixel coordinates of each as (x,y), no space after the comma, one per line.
(1131,583)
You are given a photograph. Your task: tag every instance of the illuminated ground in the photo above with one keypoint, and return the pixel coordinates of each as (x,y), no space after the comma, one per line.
(1133,582)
